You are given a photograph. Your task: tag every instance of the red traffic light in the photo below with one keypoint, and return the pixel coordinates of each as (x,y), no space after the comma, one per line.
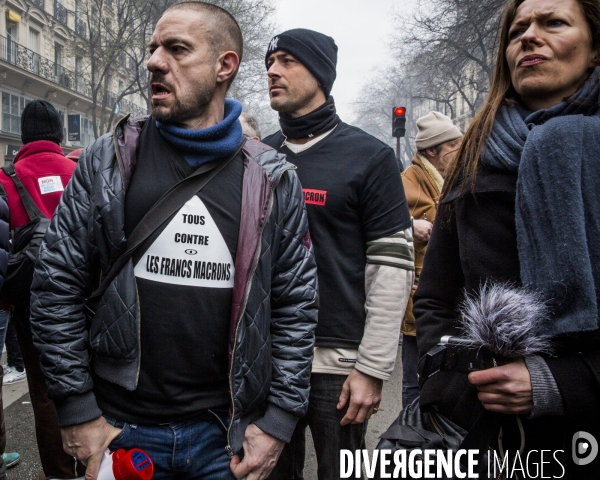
(398,122)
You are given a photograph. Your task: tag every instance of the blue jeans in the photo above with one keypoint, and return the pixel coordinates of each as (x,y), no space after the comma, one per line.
(180,451)
(3,327)
(329,437)
(410,362)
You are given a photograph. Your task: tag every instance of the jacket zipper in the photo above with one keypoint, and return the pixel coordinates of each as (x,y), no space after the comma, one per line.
(137,296)
(435,425)
(119,161)
(228,448)
(139,333)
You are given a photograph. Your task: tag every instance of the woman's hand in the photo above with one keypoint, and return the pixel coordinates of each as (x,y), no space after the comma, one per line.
(505,389)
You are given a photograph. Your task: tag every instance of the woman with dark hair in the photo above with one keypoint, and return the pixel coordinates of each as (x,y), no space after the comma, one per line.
(521,205)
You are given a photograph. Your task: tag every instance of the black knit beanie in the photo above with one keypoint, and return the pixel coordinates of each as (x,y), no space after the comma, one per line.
(317,52)
(41,121)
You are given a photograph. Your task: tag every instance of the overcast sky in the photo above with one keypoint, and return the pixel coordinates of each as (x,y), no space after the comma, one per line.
(361,30)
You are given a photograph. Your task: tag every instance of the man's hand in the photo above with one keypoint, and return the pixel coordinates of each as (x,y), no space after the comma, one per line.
(364,393)
(422,230)
(505,389)
(87,442)
(261,452)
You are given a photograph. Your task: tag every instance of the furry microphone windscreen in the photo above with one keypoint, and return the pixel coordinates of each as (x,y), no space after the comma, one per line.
(506,320)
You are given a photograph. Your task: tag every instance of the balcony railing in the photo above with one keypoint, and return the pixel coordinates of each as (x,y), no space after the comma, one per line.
(39,3)
(128,107)
(80,26)
(26,59)
(60,12)
(30,61)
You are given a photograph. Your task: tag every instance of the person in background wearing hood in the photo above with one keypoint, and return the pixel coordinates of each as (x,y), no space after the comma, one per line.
(360,226)
(437,142)
(45,172)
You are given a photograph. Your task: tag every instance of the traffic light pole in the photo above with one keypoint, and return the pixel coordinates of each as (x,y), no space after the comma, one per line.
(400,162)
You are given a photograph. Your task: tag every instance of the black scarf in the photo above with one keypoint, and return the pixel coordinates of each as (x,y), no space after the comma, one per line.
(556,153)
(312,124)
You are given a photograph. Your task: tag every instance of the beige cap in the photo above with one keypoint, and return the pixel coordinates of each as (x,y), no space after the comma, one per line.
(435,128)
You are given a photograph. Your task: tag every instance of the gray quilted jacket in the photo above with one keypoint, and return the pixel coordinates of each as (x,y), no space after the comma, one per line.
(274,307)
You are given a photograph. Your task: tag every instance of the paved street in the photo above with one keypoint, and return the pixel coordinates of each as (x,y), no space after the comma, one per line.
(20,432)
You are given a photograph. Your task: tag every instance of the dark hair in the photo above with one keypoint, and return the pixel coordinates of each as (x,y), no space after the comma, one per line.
(501,90)
(225,33)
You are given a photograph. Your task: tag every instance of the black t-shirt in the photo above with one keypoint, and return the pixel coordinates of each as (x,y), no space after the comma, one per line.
(353,195)
(184,275)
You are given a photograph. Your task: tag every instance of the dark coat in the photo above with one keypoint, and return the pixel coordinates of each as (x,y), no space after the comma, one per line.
(474,240)
(4,228)
(274,306)
(3,266)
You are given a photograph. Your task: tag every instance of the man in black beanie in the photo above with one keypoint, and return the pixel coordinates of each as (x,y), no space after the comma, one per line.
(361,230)
(44,171)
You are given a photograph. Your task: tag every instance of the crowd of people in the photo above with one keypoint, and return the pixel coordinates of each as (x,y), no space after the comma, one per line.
(206,294)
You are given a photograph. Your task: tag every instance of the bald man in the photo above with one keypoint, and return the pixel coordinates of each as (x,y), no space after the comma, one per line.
(201,345)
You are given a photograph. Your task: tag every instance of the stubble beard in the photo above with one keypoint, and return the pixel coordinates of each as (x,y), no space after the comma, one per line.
(290,104)
(179,113)
(283,105)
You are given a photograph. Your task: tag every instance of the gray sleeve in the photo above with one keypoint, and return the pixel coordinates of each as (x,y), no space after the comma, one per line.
(546,395)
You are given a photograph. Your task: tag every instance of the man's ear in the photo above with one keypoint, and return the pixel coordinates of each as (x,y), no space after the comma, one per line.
(229,63)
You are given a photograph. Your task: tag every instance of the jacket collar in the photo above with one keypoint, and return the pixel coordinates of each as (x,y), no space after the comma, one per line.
(127,139)
(430,170)
(36,147)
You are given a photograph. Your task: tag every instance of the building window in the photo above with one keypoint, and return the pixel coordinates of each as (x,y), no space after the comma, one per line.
(12,40)
(93,21)
(79,80)
(87,131)
(34,40)
(58,54)
(58,60)
(108,31)
(60,12)
(12,108)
